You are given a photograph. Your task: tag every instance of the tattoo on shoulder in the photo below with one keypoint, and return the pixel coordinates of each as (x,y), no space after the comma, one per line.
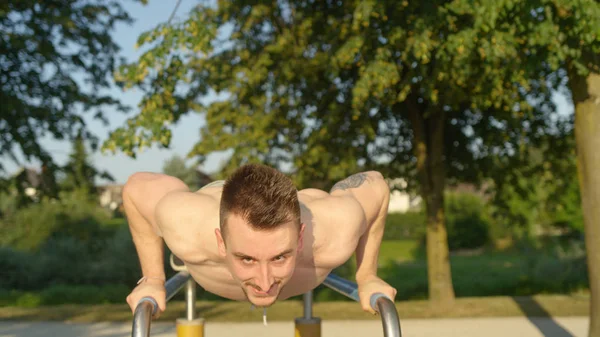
(350,182)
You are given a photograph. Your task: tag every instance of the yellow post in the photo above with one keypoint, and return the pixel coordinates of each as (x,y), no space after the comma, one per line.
(307,327)
(190,328)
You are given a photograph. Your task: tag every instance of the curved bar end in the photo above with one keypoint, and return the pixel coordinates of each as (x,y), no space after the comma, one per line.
(151,301)
(374,298)
(389,317)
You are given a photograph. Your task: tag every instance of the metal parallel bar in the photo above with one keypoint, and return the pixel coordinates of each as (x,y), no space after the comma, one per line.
(142,318)
(190,299)
(379,302)
(389,317)
(175,283)
(342,286)
(147,306)
(308,300)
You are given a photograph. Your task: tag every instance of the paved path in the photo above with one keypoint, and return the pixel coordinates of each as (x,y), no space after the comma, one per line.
(468,327)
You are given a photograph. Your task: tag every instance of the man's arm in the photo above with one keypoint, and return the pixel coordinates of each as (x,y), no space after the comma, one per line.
(141,194)
(373,194)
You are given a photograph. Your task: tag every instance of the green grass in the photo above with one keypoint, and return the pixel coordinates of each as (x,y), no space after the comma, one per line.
(398,250)
(486,274)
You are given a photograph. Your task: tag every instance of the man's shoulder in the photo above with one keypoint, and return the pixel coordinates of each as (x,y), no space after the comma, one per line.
(338,222)
(333,208)
(187,221)
(184,204)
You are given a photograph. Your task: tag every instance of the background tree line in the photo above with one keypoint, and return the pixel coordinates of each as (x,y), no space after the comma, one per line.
(439,93)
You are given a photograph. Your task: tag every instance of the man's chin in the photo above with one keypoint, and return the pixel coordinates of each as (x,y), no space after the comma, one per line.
(263,302)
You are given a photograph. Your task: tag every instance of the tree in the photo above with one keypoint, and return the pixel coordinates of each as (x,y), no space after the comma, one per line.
(585,88)
(575,52)
(55,58)
(535,188)
(435,92)
(79,173)
(177,167)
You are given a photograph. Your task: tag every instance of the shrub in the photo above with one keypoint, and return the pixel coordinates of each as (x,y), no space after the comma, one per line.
(466,221)
(67,260)
(9,297)
(63,260)
(563,207)
(409,225)
(15,267)
(65,294)
(29,300)
(73,215)
(28,228)
(84,294)
(82,218)
(118,261)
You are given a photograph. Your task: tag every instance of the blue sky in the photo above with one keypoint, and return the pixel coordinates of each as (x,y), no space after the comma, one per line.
(185,133)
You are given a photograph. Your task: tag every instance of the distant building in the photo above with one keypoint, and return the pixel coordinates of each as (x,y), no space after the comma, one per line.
(110,196)
(480,191)
(400,201)
(29,181)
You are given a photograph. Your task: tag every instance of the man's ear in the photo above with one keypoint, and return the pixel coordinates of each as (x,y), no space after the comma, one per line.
(301,238)
(220,242)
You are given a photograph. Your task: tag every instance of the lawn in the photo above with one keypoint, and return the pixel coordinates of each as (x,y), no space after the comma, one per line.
(489,273)
(398,250)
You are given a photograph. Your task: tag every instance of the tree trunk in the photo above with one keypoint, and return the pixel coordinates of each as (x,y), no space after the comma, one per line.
(428,144)
(586,99)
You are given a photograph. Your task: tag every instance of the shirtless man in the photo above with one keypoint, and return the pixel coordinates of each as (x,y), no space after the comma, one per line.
(255,237)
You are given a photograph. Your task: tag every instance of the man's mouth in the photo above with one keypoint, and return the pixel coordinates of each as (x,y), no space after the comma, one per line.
(261,293)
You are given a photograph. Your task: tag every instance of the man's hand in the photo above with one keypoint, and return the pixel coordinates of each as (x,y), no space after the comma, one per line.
(149,288)
(372,285)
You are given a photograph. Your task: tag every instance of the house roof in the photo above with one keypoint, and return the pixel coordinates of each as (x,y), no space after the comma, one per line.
(28,177)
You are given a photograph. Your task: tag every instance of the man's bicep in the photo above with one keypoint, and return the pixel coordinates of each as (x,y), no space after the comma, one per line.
(368,188)
(144,190)
(179,217)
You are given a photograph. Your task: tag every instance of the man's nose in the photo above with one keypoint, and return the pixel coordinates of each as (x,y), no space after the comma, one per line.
(265,279)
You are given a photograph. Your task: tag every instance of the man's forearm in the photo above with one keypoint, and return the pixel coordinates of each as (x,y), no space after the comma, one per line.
(367,250)
(149,245)
(151,256)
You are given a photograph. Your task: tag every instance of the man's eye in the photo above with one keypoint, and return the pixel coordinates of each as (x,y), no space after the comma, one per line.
(247,260)
(280,258)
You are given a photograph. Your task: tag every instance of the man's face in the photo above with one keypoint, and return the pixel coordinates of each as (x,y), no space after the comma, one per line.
(262,261)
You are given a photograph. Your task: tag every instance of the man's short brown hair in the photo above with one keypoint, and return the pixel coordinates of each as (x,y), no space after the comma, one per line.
(262,196)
